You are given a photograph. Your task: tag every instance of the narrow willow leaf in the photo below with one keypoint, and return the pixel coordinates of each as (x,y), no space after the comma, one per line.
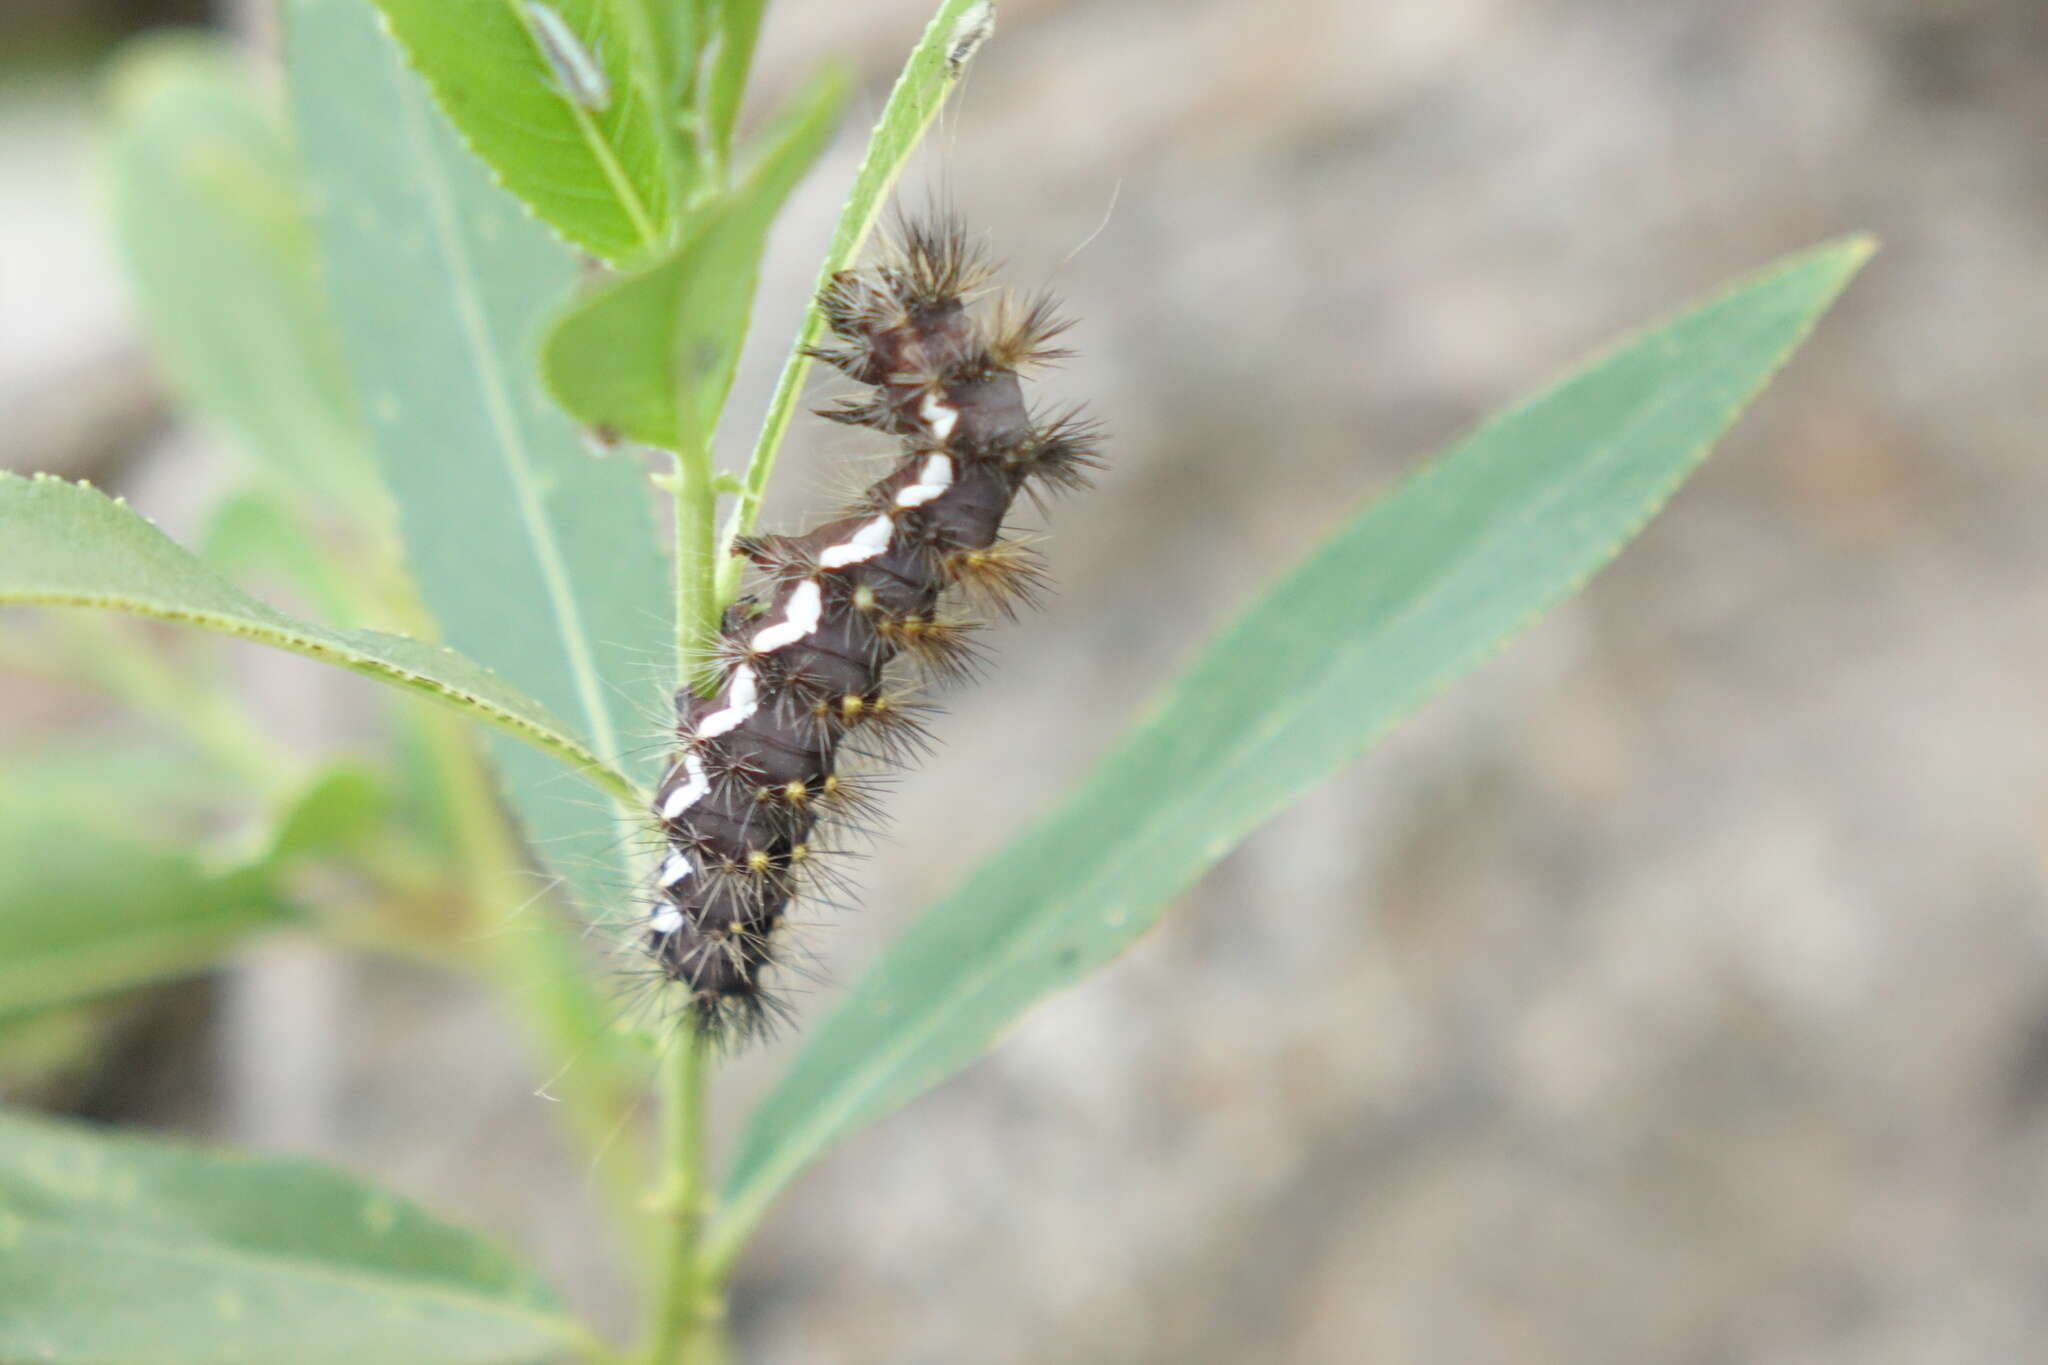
(222,262)
(1419,588)
(935,66)
(65,544)
(651,356)
(89,906)
(533,556)
(118,1250)
(738,27)
(338,808)
(104,886)
(602,172)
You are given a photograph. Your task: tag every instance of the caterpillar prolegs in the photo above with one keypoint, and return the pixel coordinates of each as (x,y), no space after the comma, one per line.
(806,662)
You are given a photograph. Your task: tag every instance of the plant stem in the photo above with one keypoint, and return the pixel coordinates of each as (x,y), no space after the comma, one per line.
(686,1313)
(685,1308)
(781,408)
(697,597)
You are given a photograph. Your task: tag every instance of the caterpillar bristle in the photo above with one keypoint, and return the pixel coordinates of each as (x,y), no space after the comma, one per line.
(938,265)
(857,307)
(850,802)
(1065,453)
(856,412)
(1000,577)
(892,730)
(943,650)
(854,361)
(774,555)
(758,806)
(1022,332)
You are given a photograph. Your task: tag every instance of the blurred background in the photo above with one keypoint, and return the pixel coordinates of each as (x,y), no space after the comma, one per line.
(1676,990)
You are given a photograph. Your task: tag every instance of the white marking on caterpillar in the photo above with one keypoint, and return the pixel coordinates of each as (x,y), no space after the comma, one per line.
(691,792)
(743,698)
(969,34)
(799,618)
(932,480)
(870,540)
(666,919)
(938,415)
(674,868)
(578,74)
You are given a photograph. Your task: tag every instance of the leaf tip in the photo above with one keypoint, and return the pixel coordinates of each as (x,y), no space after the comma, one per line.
(1840,257)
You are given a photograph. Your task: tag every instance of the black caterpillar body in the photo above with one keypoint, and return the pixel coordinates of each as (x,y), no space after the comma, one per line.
(806,662)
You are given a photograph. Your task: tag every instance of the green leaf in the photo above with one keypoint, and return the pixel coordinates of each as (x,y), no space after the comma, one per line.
(118,1250)
(737,26)
(599,164)
(1419,588)
(337,809)
(534,557)
(256,532)
(105,884)
(65,544)
(90,904)
(91,912)
(936,64)
(678,29)
(221,260)
(651,356)
(664,37)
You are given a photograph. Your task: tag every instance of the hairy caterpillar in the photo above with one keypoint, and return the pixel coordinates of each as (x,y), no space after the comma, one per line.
(805,662)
